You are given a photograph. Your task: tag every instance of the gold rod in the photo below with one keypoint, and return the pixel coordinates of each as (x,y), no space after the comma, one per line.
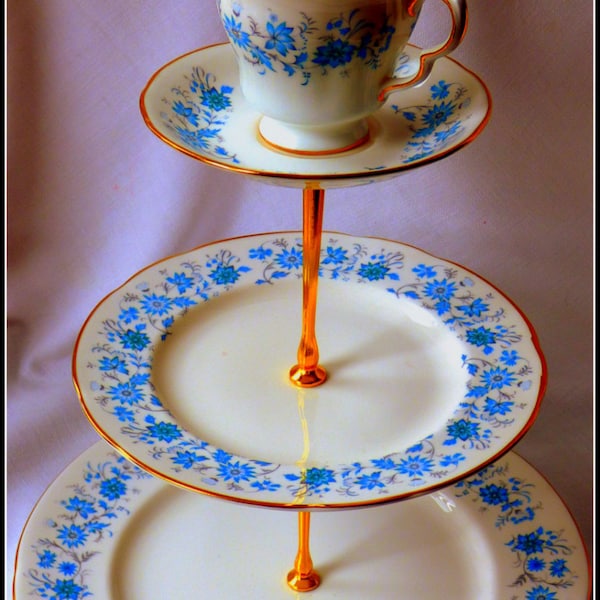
(308,372)
(302,578)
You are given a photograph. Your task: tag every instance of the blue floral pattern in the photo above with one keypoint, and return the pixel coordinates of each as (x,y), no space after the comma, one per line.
(195,104)
(70,536)
(281,46)
(437,122)
(502,363)
(197,112)
(197,116)
(541,554)
(65,555)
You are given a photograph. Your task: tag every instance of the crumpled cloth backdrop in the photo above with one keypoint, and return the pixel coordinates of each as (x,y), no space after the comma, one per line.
(93,196)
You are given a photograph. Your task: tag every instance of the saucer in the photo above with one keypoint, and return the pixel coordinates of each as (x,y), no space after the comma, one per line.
(195,105)
(106,529)
(433,372)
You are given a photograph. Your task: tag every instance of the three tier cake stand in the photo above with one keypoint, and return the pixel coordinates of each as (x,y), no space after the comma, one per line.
(412,379)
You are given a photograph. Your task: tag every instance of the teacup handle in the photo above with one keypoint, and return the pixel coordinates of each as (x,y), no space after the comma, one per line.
(458,10)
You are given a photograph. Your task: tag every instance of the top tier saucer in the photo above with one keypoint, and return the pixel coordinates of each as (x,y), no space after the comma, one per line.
(195,105)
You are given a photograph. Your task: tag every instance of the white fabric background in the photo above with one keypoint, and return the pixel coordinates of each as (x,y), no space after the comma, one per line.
(93,196)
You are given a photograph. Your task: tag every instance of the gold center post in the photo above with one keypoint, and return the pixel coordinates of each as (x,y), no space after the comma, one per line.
(308,372)
(302,578)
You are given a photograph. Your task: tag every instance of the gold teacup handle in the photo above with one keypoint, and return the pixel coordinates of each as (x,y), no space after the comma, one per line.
(458,10)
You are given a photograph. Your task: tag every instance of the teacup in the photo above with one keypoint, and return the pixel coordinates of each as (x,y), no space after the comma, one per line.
(317,69)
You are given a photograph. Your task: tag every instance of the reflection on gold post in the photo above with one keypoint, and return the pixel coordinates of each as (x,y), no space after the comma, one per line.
(302,578)
(308,372)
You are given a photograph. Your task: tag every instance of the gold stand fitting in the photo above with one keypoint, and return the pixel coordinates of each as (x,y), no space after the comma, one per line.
(308,372)
(302,578)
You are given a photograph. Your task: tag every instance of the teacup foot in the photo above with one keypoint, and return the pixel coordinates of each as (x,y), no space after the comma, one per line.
(313,140)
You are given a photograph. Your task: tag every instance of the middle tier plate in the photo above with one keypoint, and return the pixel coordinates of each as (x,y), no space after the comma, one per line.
(433,372)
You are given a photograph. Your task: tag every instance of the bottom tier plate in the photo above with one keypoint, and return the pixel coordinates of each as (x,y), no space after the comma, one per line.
(107,529)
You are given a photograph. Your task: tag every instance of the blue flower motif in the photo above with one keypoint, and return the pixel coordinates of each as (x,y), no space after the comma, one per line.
(384,463)
(280,38)
(497,378)
(82,507)
(558,567)
(180,302)
(289,259)
(181,281)
(509,357)
(156,305)
(373,271)
(236,471)
(135,339)
(472,370)
(128,315)
(482,336)
(415,466)
(536,564)
(234,28)
(266,485)
(217,100)
(334,53)
(72,536)
(369,482)
(124,414)
(335,256)
(440,90)
(438,114)
(67,568)
(452,460)
(113,488)
(424,271)
(224,275)
(540,592)
(260,253)
(497,407)
(493,494)
(66,589)
(113,364)
(186,112)
(221,456)
(187,459)
(463,429)
(316,478)
(126,393)
(475,308)
(530,543)
(440,290)
(46,559)
(164,432)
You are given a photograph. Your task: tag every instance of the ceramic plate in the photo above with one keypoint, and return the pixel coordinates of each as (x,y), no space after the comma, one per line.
(106,529)
(432,372)
(195,105)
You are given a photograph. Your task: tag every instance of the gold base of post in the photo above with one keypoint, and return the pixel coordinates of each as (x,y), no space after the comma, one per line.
(303,578)
(306,378)
(303,583)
